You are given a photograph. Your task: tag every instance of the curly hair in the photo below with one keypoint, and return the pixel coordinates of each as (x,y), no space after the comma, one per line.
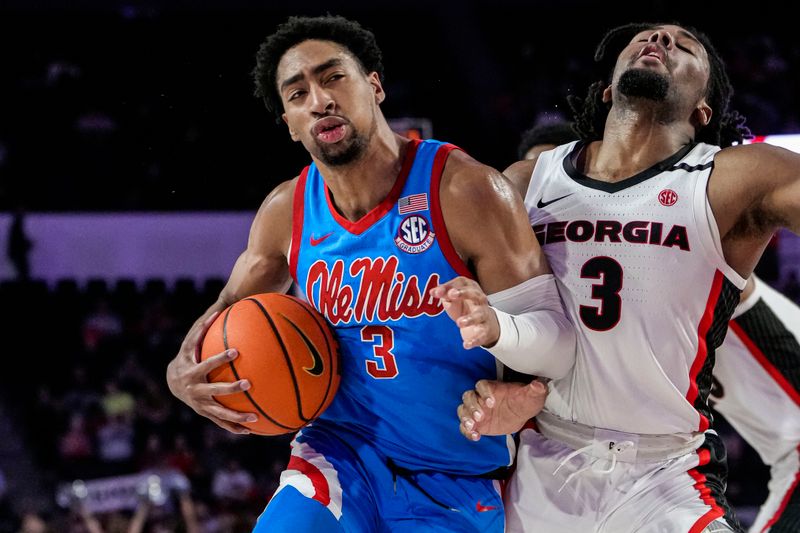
(548,133)
(349,34)
(726,126)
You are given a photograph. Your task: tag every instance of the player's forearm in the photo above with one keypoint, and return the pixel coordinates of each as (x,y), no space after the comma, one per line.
(535,335)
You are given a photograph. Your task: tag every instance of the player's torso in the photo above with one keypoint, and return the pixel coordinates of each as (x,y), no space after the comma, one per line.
(757,375)
(643,282)
(403,365)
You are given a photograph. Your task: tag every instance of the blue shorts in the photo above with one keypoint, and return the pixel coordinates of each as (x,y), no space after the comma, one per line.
(335,485)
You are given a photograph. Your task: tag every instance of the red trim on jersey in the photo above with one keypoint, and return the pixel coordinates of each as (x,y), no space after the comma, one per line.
(705,494)
(784,501)
(437,218)
(321,489)
(759,139)
(787,387)
(297,222)
(702,347)
(364,223)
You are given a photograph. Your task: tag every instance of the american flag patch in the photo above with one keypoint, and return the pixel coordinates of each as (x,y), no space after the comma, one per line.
(415,202)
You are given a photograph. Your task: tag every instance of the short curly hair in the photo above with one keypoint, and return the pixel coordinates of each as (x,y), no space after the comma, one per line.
(726,126)
(349,34)
(547,133)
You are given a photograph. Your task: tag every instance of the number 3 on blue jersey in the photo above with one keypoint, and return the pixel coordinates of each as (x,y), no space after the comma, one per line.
(382,337)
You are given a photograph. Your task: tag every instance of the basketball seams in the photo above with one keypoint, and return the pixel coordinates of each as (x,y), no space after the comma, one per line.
(236,374)
(286,357)
(330,353)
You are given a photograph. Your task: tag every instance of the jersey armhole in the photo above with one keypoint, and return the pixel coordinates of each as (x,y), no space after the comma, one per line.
(298,203)
(448,250)
(708,231)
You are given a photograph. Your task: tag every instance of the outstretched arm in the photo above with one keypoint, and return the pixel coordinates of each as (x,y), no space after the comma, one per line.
(754,190)
(262,267)
(525,326)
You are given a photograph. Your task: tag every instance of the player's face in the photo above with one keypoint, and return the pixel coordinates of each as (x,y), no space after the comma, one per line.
(665,63)
(329,103)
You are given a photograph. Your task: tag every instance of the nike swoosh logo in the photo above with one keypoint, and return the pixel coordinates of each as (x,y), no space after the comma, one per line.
(316,358)
(315,242)
(541,203)
(483,508)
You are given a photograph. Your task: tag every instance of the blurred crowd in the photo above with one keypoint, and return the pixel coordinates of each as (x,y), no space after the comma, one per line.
(89,401)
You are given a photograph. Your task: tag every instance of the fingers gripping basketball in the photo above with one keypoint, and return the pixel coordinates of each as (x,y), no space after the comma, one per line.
(286,351)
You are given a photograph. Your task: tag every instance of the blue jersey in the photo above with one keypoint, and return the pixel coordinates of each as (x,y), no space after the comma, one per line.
(403,365)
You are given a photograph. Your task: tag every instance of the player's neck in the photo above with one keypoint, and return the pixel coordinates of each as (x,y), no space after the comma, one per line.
(360,186)
(632,143)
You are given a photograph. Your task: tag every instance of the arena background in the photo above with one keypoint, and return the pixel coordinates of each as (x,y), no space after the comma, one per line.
(132,158)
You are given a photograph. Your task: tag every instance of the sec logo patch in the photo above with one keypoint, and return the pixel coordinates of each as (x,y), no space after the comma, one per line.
(414,235)
(667,197)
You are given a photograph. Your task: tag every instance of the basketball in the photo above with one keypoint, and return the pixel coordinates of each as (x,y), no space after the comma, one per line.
(286,351)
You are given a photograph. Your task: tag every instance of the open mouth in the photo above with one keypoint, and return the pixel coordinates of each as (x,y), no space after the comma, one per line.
(652,51)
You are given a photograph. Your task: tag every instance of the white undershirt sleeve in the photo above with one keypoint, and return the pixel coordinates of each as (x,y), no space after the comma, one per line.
(535,335)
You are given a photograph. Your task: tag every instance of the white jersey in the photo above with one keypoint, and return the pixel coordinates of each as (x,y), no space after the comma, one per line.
(757,375)
(640,269)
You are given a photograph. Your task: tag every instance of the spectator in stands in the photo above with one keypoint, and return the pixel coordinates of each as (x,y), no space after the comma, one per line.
(118,402)
(115,441)
(232,482)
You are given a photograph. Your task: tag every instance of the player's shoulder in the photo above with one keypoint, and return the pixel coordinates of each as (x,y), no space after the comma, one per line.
(744,158)
(467,181)
(519,174)
(281,198)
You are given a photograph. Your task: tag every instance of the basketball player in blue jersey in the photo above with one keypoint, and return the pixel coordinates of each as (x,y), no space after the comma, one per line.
(651,229)
(369,232)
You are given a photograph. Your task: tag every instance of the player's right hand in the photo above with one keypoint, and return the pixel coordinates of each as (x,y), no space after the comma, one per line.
(499,408)
(186,378)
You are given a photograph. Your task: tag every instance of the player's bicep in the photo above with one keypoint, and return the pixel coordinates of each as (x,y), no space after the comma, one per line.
(489,226)
(784,202)
(519,174)
(507,252)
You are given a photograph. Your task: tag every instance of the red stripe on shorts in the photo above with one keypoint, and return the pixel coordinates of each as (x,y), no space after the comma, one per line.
(321,489)
(705,494)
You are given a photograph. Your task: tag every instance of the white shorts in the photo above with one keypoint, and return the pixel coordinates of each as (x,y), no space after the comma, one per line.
(644,495)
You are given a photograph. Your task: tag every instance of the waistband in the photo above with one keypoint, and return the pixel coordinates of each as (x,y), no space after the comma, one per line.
(598,442)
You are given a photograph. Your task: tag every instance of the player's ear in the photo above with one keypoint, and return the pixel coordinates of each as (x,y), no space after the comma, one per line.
(292,133)
(607,94)
(375,80)
(702,114)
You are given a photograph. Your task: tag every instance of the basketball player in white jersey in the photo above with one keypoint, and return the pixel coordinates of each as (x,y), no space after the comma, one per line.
(651,231)
(756,380)
(757,388)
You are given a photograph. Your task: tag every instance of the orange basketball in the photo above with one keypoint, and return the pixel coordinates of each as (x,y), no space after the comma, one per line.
(286,351)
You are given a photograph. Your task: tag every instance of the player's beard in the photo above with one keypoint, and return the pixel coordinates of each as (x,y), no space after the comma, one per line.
(643,83)
(348,149)
(345,151)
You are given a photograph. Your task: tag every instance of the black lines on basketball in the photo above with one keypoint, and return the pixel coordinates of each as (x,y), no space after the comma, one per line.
(236,374)
(285,356)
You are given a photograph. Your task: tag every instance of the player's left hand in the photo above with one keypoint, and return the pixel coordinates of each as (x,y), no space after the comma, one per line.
(499,408)
(466,304)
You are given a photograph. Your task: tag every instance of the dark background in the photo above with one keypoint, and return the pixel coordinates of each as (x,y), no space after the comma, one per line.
(140,106)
